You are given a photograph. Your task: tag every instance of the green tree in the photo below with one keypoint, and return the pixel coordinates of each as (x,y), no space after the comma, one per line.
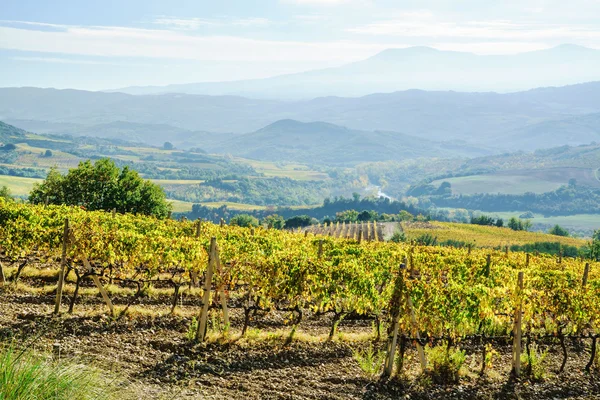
(168,146)
(102,186)
(48,153)
(368,215)
(346,216)
(244,220)
(558,231)
(274,221)
(298,221)
(5,193)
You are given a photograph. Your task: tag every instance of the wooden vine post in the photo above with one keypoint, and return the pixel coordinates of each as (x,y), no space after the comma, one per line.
(201,332)
(395,303)
(63,267)
(222,296)
(98,284)
(517,332)
(194,274)
(415,326)
(488,264)
(2,278)
(320,252)
(586,272)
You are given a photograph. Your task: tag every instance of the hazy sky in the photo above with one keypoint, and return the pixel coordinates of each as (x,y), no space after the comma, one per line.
(109,44)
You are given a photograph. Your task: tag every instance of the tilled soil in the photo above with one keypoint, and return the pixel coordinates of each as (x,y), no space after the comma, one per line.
(152,359)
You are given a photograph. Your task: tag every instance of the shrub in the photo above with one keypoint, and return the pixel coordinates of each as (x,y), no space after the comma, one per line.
(536,362)
(445,363)
(426,239)
(558,231)
(370,360)
(244,220)
(398,237)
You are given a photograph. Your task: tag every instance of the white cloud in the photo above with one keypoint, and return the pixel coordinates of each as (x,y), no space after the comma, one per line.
(428,27)
(155,43)
(59,60)
(197,23)
(316,2)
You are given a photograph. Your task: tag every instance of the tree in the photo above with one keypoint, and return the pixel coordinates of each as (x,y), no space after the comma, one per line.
(517,224)
(48,154)
(8,147)
(102,186)
(5,193)
(346,216)
(499,222)
(368,215)
(558,231)
(244,220)
(572,183)
(298,221)
(168,146)
(274,221)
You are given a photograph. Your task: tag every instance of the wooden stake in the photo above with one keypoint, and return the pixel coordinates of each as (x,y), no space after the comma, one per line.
(488,265)
(98,284)
(201,332)
(194,274)
(2,278)
(360,234)
(586,272)
(527,260)
(222,296)
(517,333)
(413,320)
(320,252)
(63,267)
(395,302)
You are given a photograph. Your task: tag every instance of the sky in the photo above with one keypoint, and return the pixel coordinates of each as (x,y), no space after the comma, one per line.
(97,45)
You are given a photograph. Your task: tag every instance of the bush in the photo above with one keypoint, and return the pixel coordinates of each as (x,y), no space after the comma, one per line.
(426,239)
(536,363)
(244,220)
(26,376)
(483,220)
(445,363)
(299,221)
(370,360)
(5,193)
(398,237)
(559,231)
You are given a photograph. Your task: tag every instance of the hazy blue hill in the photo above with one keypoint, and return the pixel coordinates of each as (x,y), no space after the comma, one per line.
(574,131)
(9,133)
(415,67)
(483,119)
(325,143)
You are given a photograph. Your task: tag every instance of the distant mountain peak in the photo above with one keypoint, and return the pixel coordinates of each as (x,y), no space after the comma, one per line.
(396,53)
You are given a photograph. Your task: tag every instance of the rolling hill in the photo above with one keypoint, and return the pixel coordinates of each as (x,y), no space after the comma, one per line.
(325,143)
(501,122)
(414,67)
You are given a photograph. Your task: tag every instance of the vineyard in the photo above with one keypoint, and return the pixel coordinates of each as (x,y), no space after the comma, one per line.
(369,231)
(408,299)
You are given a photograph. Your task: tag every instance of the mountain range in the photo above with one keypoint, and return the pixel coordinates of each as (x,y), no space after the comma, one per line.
(410,68)
(488,122)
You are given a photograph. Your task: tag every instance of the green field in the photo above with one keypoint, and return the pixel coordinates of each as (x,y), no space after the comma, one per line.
(505,184)
(293,171)
(17,185)
(181,206)
(577,221)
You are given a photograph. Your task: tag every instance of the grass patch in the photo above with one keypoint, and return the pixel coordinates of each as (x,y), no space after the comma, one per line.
(27,376)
